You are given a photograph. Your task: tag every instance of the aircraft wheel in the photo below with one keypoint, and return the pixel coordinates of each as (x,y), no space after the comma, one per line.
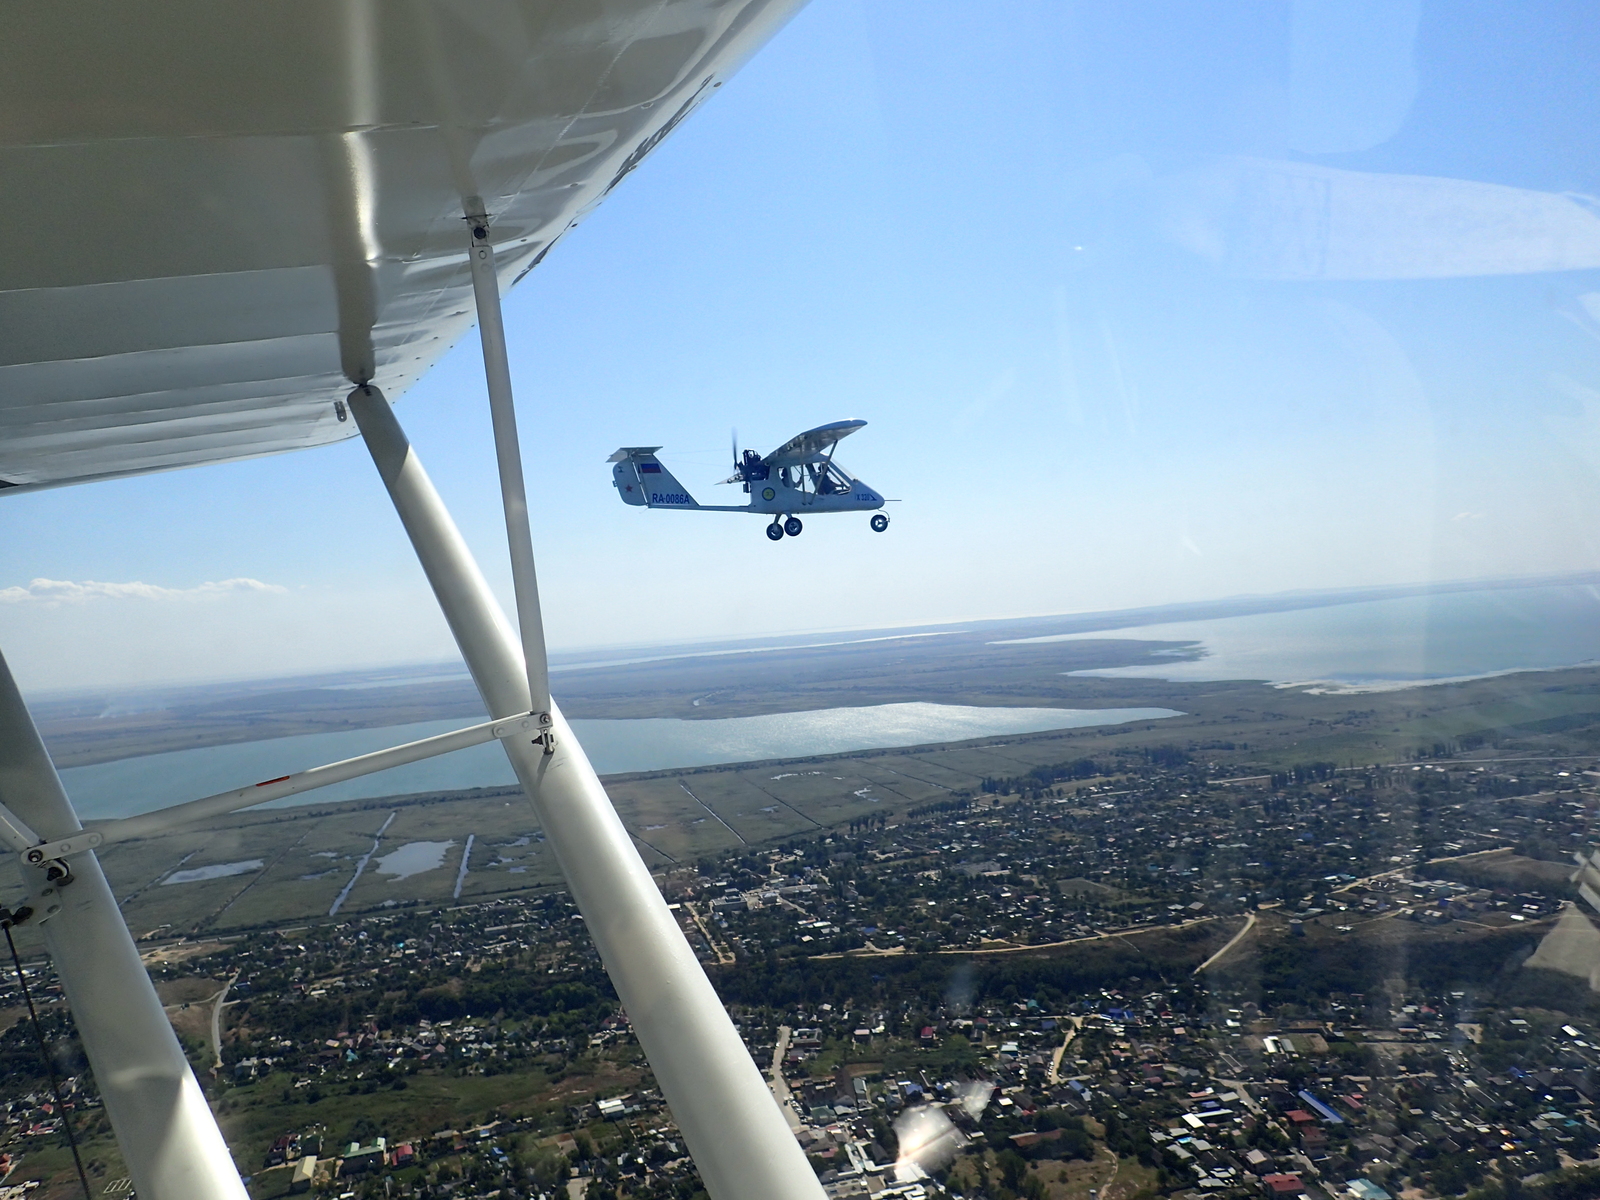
(879,522)
(793,527)
(775,532)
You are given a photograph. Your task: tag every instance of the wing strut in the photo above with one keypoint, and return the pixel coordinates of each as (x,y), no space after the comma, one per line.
(169,1139)
(508,453)
(729,1119)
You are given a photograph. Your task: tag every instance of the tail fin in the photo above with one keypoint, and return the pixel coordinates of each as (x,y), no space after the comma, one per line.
(640,478)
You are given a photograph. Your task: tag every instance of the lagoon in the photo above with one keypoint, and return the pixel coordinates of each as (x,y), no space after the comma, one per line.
(135,785)
(413,859)
(214,871)
(1377,644)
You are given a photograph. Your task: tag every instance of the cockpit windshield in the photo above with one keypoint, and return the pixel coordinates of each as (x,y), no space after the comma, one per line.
(822,478)
(827,479)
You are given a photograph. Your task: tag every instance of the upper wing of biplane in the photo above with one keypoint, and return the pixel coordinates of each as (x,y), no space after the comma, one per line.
(216,214)
(811,445)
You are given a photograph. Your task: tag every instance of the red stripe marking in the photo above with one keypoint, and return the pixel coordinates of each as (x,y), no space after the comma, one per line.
(279,779)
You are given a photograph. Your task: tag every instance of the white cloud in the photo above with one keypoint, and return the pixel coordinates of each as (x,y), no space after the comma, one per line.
(63,591)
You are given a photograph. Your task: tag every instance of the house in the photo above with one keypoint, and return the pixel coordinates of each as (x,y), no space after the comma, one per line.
(359,1159)
(304,1172)
(1276,1186)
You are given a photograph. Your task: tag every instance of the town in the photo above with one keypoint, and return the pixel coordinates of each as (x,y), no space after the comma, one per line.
(1150,974)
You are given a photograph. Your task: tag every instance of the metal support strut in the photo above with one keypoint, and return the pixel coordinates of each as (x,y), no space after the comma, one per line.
(508,454)
(729,1119)
(168,1136)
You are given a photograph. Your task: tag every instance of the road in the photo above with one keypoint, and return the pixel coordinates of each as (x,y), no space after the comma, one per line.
(1369,880)
(1249,924)
(1034,947)
(1237,1085)
(1055,1059)
(216,1021)
(724,955)
(780,1085)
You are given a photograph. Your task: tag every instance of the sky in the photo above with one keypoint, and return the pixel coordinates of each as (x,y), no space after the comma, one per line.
(1142,302)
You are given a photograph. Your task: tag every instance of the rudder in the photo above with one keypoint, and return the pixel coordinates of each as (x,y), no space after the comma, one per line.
(641,478)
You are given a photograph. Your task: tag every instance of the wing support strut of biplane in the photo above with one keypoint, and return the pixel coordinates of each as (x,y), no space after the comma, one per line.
(729,1119)
(170,1141)
(508,457)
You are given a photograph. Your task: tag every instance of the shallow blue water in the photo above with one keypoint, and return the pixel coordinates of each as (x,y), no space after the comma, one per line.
(135,785)
(1383,643)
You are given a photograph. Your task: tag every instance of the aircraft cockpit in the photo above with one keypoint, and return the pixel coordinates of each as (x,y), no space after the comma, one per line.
(823,478)
(827,479)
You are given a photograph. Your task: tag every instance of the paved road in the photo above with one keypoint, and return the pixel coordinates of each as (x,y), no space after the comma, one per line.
(780,1085)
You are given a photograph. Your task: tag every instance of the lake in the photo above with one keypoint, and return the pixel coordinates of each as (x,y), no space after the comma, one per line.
(136,785)
(1380,644)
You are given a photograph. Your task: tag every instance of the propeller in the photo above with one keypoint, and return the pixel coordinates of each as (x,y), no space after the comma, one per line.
(738,468)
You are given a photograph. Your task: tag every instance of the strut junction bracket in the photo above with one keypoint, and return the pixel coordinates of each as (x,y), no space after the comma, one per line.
(43,855)
(541,725)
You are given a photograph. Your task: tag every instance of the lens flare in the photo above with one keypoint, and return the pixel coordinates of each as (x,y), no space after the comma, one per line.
(929,1140)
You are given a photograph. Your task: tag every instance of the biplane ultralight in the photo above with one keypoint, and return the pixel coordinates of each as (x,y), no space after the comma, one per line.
(798,477)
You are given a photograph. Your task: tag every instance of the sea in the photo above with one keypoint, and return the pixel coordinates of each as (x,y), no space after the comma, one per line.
(135,785)
(1361,645)
(1374,645)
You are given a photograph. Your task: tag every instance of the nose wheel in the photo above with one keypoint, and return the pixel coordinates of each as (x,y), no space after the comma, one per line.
(793,527)
(879,522)
(775,532)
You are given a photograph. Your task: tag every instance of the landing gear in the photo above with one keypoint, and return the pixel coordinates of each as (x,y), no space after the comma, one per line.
(775,532)
(879,522)
(793,527)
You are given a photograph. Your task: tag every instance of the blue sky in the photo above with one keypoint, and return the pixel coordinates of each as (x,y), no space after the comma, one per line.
(1142,303)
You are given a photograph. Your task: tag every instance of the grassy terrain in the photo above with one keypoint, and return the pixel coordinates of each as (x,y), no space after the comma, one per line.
(309,854)
(975,663)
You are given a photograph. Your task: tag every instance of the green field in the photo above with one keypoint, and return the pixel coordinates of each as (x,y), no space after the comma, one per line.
(309,854)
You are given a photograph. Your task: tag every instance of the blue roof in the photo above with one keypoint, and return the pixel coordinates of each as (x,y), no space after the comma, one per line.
(1326,1113)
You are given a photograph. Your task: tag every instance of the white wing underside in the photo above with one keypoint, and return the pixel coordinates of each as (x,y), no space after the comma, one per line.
(812,445)
(214,215)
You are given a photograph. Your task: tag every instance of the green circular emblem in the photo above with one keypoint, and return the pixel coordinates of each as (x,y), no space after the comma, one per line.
(767,493)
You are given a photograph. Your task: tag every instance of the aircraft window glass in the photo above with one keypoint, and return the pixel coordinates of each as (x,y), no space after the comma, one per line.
(829,480)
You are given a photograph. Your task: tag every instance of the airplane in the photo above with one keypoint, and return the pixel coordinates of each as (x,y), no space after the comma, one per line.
(799,476)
